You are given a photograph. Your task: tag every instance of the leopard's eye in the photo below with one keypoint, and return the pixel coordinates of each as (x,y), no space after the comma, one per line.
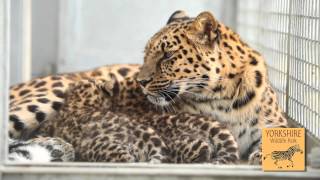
(167,55)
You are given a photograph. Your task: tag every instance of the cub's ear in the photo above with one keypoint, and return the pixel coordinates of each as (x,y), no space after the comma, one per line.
(204,29)
(178,15)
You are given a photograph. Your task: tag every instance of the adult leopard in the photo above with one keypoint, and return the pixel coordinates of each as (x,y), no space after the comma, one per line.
(201,66)
(38,100)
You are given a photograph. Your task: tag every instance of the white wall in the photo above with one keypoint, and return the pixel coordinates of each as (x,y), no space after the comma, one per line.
(99,32)
(70,35)
(45,16)
(34,36)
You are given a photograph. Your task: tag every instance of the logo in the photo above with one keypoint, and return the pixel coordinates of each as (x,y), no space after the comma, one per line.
(283,149)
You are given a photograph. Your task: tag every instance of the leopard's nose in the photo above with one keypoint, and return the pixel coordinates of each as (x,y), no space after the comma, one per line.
(144,82)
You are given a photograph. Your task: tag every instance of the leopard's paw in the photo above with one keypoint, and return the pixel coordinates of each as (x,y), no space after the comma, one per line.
(255,158)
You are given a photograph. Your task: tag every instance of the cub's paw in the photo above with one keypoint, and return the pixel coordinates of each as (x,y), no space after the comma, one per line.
(255,158)
(155,161)
(122,155)
(58,149)
(40,150)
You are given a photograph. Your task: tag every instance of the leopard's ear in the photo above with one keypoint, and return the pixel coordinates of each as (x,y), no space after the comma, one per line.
(106,87)
(113,85)
(178,16)
(204,29)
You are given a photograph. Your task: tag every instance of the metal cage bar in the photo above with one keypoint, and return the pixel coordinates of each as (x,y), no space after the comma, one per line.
(287,32)
(4,76)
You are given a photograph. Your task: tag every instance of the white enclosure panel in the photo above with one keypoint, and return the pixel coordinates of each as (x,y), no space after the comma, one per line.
(4,75)
(20,57)
(145,171)
(99,32)
(45,30)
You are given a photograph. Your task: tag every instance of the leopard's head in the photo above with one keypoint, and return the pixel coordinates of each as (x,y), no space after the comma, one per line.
(188,57)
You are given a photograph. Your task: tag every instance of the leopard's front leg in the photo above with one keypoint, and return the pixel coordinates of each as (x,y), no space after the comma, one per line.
(225,146)
(255,158)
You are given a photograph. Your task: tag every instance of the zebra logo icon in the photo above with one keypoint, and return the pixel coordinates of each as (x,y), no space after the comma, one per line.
(284,155)
(283,149)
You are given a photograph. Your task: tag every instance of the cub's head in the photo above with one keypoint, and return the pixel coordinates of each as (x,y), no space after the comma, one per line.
(187,57)
(89,94)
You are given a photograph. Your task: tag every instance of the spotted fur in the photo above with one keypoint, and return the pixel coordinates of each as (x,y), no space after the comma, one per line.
(38,100)
(114,122)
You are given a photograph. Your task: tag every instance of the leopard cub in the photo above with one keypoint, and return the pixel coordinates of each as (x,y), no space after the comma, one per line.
(111,121)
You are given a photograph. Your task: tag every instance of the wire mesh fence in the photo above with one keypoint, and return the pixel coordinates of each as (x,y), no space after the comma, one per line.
(287,33)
